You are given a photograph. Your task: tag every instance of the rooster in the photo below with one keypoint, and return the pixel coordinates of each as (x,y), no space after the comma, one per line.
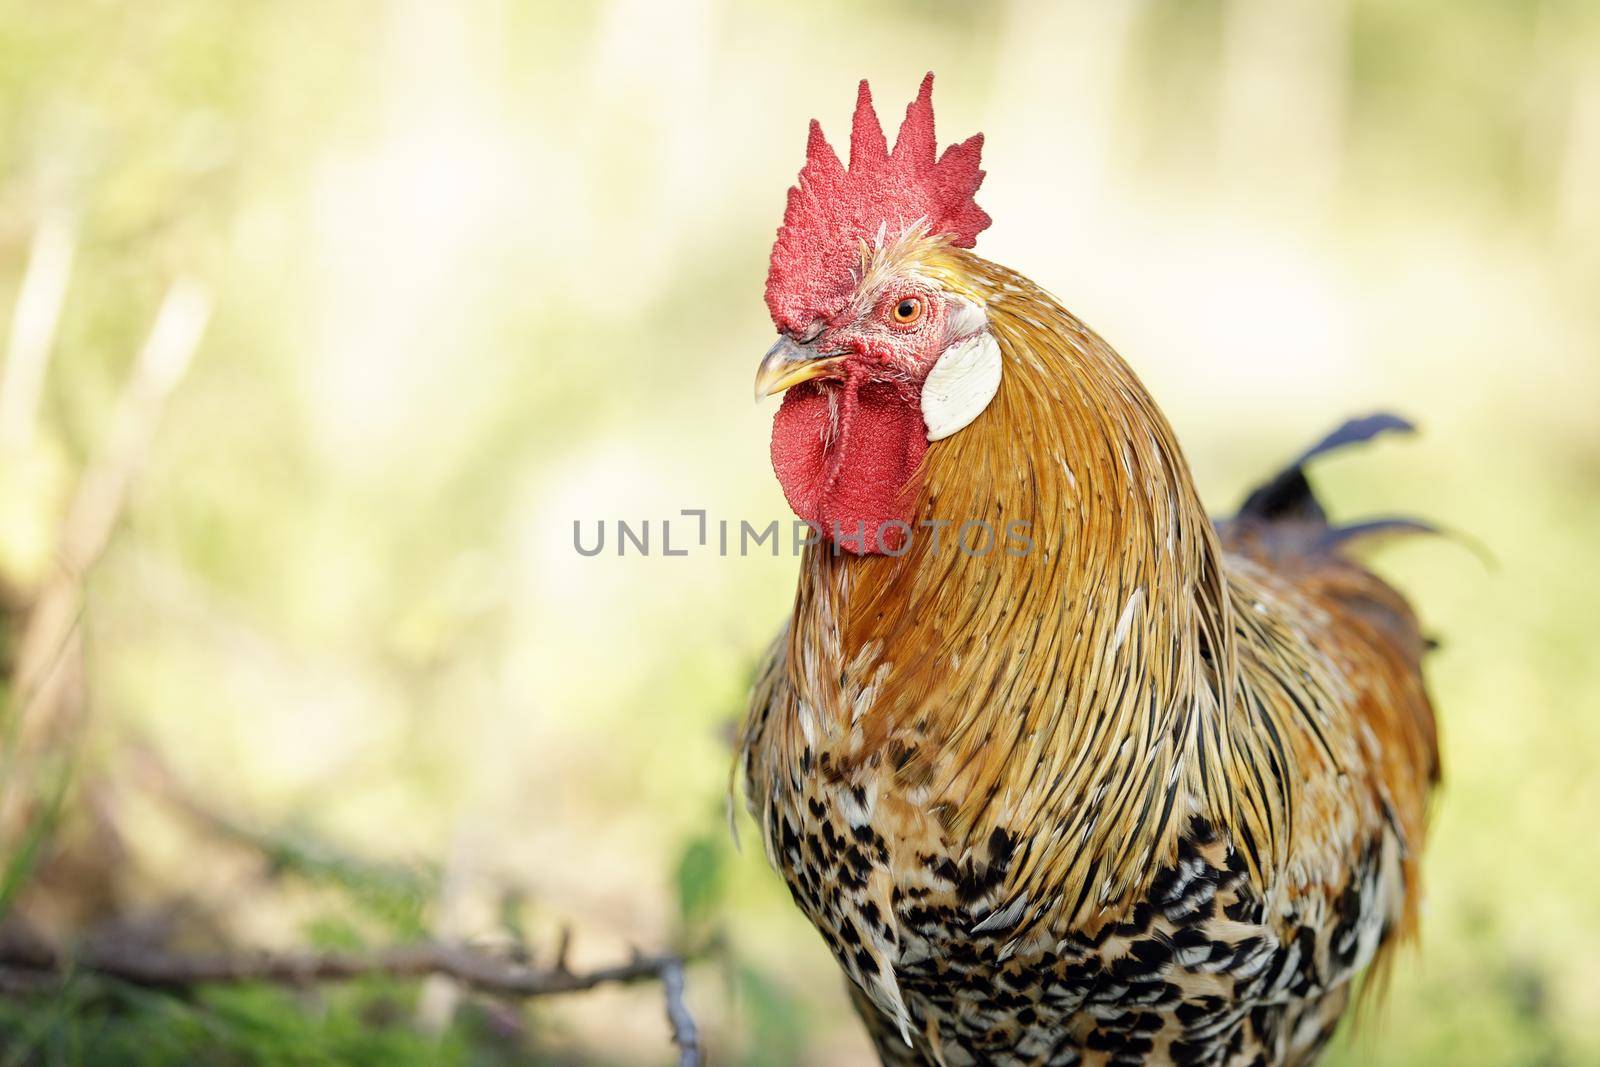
(1063,772)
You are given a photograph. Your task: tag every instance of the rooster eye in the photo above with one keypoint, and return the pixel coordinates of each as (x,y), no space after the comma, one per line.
(907,311)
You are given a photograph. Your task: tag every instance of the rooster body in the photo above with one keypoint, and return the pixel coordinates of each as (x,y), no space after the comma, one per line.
(1130,788)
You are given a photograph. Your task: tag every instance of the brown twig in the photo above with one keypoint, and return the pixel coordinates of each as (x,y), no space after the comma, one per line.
(563,947)
(685,1035)
(31,965)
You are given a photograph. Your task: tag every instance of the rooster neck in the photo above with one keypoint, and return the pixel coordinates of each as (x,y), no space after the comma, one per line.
(1066,678)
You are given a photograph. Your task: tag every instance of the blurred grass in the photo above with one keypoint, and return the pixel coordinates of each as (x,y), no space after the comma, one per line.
(482,271)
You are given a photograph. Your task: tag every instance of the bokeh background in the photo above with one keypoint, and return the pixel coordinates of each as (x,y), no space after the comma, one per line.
(326,321)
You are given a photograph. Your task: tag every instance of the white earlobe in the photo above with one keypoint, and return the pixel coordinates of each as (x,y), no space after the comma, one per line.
(961,385)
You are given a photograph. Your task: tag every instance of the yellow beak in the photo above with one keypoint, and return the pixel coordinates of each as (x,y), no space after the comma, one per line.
(788,364)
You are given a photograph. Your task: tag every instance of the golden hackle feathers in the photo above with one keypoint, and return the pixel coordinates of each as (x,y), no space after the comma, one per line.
(1116,672)
(1128,781)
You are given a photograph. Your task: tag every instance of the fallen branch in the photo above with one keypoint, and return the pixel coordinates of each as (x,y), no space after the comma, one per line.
(26,964)
(684,1033)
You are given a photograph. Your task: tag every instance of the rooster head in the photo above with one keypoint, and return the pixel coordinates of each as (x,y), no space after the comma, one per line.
(881,348)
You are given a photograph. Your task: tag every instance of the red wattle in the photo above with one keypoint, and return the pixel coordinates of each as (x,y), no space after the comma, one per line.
(853,480)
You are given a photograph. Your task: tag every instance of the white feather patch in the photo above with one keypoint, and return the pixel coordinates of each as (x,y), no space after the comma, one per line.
(961,385)
(966,317)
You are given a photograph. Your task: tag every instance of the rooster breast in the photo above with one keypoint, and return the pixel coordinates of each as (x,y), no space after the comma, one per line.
(1206,964)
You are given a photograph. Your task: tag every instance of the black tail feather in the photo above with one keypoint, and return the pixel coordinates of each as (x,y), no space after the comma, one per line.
(1288,496)
(1376,529)
(1373,533)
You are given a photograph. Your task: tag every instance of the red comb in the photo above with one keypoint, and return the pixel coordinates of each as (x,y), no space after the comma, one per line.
(832,209)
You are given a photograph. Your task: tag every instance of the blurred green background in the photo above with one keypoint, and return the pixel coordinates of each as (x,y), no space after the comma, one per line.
(457,275)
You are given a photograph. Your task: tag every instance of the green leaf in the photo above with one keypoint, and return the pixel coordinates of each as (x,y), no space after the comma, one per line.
(701,875)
